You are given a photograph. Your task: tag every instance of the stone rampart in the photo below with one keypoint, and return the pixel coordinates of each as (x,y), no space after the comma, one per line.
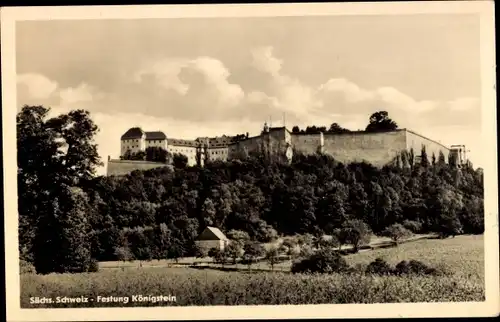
(378,149)
(123,167)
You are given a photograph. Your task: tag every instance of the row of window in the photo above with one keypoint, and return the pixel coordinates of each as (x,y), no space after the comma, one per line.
(182,150)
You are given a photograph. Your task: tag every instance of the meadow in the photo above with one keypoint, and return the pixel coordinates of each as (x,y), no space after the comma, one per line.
(463,255)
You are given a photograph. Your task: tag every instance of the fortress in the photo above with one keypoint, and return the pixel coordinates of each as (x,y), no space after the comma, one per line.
(377,148)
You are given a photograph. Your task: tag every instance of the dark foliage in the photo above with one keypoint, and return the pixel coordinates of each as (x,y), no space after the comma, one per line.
(322,261)
(380,122)
(379,267)
(158,213)
(93,266)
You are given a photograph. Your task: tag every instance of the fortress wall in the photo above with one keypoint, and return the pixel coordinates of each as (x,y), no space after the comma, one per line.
(378,149)
(277,141)
(306,143)
(123,167)
(249,145)
(415,141)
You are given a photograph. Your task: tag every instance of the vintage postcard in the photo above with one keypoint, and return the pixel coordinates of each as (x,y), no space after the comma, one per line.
(198,162)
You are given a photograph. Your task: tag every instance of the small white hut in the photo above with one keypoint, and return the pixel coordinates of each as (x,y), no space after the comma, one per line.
(212,237)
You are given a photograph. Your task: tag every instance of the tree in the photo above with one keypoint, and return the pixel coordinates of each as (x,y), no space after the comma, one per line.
(180,161)
(272,256)
(51,153)
(341,236)
(200,252)
(433,159)
(157,154)
(357,233)
(380,122)
(162,240)
(238,235)
(295,129)
(447,206)
(213,253)
(396,232)
(452,160)
(336,128)
(253,250)
(441,159)
(62,243)
(424,161)
(234,250)
(411,158)
(176,251)
(124,254)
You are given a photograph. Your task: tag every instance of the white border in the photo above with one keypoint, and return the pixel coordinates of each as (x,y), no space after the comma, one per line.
(485,9)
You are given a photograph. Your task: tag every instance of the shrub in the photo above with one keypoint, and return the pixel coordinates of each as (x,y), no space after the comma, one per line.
(213,252)
(305,251)
(413,226)
(26,267)
(234,250)
(323,261)
(253,250)
(93,266)
(379,267)
(418,268)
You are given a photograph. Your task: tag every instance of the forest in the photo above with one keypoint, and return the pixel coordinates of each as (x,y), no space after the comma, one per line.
(67,214)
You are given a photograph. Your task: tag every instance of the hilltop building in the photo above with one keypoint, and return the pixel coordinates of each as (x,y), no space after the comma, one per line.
(378,148)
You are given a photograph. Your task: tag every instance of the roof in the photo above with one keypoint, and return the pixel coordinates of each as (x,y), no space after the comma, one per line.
(179,142)
(212,233)
(133,133)
(155,135)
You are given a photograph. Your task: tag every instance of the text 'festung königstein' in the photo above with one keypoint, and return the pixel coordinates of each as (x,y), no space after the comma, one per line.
(104,299)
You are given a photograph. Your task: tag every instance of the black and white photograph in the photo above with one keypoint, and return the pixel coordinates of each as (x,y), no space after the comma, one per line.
(260,160)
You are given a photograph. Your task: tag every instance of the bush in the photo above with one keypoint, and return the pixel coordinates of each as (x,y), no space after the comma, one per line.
(379,267)
(26,267)
(323,261)
(93,266)
(417,268)
(413,226)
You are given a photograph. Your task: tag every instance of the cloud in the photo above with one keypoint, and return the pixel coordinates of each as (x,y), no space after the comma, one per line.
(71,95)
(37,86)
(34,89)
(190,97)
(289,94)
(264,60)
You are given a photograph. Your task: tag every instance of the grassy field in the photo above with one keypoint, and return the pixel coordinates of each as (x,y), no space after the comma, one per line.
(282,266)
(463,255)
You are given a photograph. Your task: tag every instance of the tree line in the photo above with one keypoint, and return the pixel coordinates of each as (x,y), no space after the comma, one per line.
(68,216)
(378,122)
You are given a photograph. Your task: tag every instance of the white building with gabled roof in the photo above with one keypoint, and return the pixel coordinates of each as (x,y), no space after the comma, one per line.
(212,237)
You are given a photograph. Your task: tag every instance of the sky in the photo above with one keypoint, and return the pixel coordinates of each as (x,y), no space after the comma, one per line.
(191,77)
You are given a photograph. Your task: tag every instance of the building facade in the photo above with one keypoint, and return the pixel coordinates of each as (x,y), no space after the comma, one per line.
(212,237)
(379,148)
